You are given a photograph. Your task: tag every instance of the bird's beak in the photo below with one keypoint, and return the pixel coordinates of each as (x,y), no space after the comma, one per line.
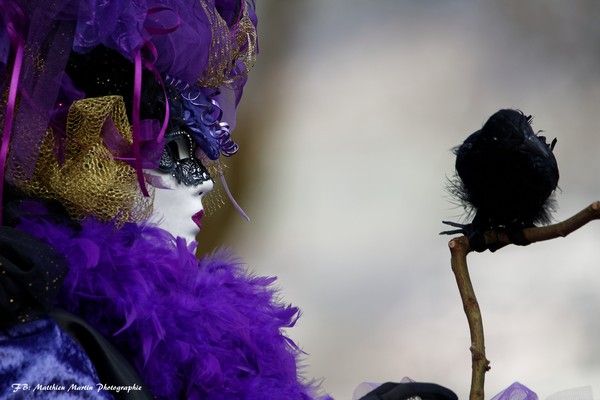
(537,146)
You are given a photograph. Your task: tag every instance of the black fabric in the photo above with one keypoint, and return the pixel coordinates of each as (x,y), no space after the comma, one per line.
(404,391)
(31,273)
(13,209)
(112,368)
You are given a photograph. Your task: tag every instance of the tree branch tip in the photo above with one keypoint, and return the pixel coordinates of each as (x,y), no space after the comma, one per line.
(596,205)
(459,241)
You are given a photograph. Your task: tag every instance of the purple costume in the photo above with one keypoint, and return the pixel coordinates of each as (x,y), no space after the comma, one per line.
(191,329)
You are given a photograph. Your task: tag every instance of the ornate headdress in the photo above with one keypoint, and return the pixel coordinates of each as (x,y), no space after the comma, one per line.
(94,92)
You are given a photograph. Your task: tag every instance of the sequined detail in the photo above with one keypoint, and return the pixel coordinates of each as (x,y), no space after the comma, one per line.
(191,172)
(178,159)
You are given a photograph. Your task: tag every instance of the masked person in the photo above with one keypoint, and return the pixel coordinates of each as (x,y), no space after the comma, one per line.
(116,116)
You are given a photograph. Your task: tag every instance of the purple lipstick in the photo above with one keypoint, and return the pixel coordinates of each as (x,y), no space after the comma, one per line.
(197,217)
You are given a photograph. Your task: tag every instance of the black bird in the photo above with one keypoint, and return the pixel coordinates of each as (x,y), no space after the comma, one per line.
(506,176)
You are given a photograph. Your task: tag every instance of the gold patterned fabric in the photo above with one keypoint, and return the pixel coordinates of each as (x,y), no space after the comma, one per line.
(232,54)
(91,180)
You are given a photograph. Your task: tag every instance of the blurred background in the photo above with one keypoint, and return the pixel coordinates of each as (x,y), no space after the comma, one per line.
(346,131)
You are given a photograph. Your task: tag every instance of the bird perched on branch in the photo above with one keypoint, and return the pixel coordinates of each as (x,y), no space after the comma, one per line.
(506,175)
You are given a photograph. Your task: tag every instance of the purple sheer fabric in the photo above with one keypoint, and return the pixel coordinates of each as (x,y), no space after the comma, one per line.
(117,24)
(516,391)
(48,40)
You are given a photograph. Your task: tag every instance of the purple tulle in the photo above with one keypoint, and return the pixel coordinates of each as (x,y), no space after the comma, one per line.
(48,37)
(194,330)
(516,391)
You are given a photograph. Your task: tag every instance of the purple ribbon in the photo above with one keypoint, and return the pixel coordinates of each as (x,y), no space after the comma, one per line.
(224,182)
(14,24)
(148,63)
(239,18)
(137,95)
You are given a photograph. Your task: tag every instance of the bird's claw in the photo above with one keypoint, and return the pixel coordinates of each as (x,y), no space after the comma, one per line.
(517,235)
(475,237)
(463,228)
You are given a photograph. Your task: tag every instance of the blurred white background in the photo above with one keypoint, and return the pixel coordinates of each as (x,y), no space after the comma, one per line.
(346,131)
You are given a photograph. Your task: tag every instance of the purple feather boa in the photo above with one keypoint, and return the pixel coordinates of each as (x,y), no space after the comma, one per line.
(194,329)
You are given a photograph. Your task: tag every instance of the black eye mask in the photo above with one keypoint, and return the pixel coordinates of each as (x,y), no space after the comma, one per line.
(178,159)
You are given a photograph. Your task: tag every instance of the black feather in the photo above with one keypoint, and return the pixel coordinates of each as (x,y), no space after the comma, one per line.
(506,175)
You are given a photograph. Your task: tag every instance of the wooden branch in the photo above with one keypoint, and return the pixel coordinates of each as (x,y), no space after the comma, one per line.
(560,229)
(459,249)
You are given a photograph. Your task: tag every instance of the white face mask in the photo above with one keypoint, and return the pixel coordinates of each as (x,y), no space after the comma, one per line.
(181,182)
